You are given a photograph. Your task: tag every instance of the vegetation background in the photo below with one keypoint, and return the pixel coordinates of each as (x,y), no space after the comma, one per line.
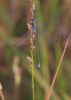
(53,21)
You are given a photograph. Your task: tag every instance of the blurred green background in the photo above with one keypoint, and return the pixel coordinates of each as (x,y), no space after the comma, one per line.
(53,22)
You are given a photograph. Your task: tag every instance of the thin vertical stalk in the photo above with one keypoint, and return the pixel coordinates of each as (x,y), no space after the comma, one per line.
(32,63)
(29,23)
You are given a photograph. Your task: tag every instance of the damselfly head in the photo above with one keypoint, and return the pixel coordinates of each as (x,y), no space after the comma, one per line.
(38,66)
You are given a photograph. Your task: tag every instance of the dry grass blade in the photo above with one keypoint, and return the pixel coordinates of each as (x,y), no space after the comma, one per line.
(54,79)
(2,96)
(1,93)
